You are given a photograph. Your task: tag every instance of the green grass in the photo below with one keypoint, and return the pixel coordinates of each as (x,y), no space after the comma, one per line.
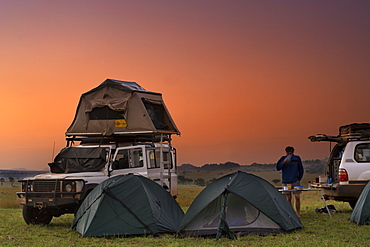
(8,196)
(186,195)
(319,229)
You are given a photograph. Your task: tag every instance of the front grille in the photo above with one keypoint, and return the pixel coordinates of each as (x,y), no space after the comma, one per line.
(44,186)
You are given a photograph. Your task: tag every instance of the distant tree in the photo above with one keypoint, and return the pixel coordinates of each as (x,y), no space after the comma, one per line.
(276,180)
(200,182)
(11,180)
(184,180)
(2,180)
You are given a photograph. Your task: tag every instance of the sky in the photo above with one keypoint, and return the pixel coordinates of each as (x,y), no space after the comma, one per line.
(241,79)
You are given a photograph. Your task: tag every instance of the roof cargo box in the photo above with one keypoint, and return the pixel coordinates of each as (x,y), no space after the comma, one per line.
(355,129)
(121,108)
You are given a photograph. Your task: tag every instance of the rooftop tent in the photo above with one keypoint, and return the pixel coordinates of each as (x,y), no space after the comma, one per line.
(239,203)
(361,212)
(127,205)
(121,108)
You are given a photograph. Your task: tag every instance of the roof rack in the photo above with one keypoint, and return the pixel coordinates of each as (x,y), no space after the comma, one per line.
(350,132)
(111,139)
(339,139)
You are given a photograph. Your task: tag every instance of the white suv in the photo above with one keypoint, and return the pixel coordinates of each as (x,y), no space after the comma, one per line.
(77,170)
(348,166)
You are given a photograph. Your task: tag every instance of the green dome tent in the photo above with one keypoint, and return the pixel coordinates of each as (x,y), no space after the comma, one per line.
(361,212)
(239,203)
(128,205)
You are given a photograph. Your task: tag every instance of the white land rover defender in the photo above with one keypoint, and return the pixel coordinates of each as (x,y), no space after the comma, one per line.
(348,166)
(121,129)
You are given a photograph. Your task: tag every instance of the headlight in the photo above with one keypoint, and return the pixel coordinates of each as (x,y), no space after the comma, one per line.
(26,187)
(68,188)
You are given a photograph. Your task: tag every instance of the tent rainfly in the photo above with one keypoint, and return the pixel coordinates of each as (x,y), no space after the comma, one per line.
(239,203)
(361,211)
(121,108)
(128,205)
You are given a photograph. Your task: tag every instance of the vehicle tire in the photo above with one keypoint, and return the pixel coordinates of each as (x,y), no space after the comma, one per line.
(36,216)
(352,204)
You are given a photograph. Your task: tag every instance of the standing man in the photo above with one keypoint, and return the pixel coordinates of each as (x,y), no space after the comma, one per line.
(292,173)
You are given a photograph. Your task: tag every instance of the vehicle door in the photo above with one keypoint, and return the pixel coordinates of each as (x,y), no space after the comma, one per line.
(129,160)
(160,170)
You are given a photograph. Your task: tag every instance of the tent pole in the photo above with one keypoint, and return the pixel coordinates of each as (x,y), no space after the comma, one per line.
(161,159)
(169,165)
(223,226)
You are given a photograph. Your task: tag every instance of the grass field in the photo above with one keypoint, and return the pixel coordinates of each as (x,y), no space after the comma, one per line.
(319,229)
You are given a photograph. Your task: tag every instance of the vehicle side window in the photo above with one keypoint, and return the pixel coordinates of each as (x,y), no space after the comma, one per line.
(128,158)
(152,160)
(122,160)
(137,159)
(155,159)
(362,153)
(166,159)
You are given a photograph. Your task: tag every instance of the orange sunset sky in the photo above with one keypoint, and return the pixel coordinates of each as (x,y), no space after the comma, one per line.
(241,79)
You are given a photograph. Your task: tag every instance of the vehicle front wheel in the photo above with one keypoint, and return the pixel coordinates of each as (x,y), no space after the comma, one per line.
(36,216)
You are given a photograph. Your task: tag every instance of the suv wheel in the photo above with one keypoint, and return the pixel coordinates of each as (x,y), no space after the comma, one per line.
(36,216)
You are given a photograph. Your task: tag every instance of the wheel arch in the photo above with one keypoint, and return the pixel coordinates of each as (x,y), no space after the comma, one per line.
(87,190)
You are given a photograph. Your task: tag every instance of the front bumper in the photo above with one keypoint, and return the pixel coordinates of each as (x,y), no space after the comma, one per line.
(51,194)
